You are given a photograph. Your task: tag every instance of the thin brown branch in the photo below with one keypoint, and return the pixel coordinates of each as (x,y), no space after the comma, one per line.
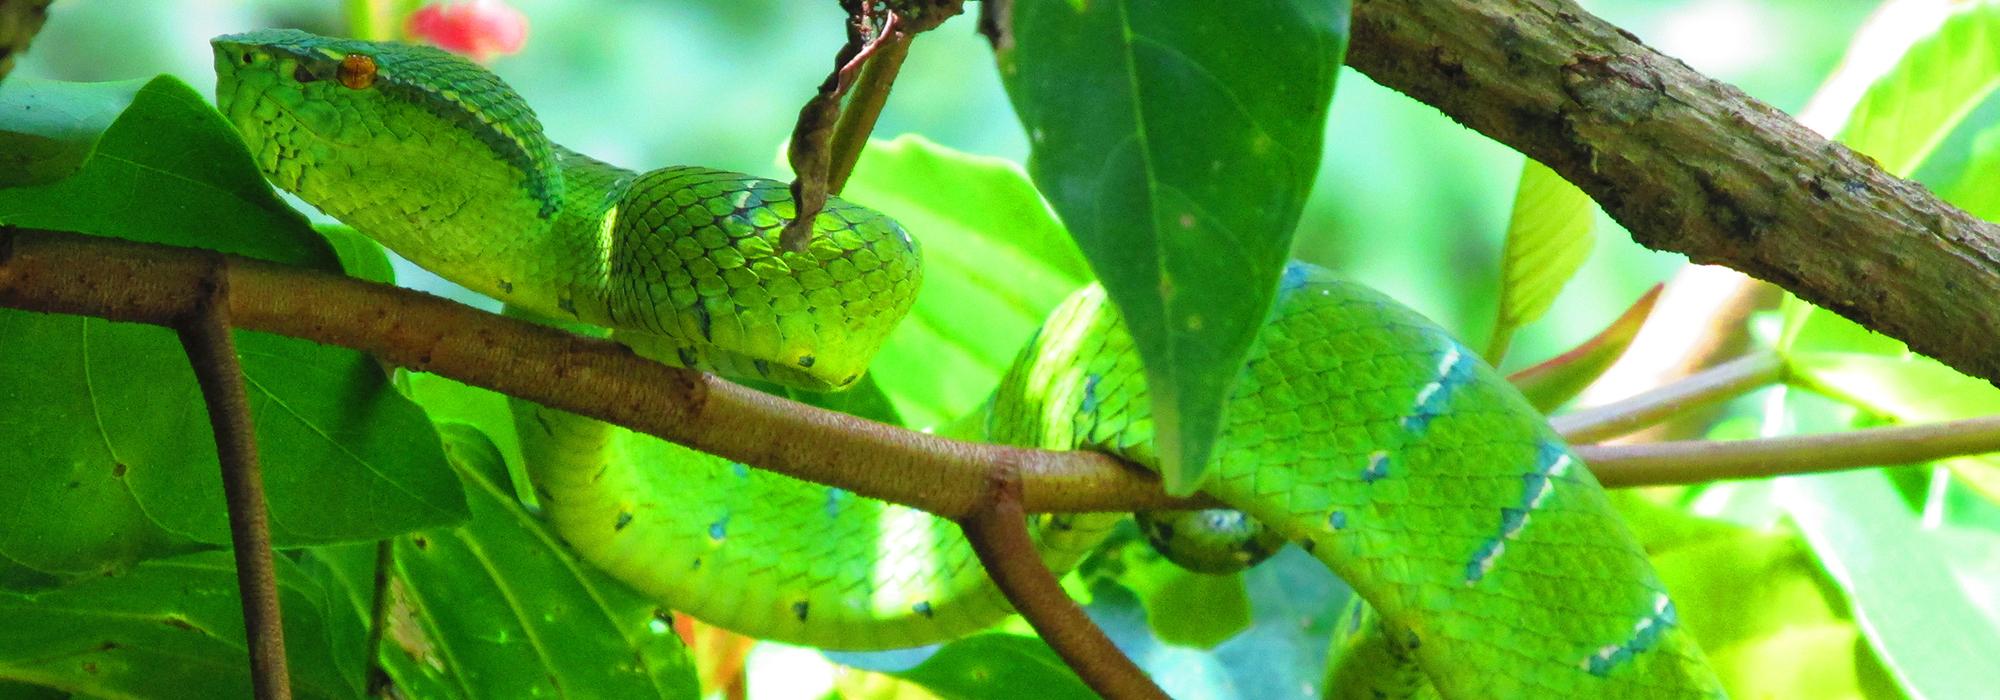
(378,617)
(1693,165)
(808,152)
(998,532)
(1696,461)
(205,335)
(1707,387)
(857,120)
(125,281)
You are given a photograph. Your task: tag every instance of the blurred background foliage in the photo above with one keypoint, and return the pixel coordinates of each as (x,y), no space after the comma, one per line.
(1407,200)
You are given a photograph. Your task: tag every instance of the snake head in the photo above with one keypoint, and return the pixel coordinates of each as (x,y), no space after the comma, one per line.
(385,136)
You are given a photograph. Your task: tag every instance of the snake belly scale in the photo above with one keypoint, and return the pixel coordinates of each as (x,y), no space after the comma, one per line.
(1494,565)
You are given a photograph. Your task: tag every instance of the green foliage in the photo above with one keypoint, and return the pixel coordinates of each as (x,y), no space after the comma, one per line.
(495,607)
(995,263)
(1910,109)
(171,624)
(1548,238)
(117,418)
(1871,584)
(1179,147)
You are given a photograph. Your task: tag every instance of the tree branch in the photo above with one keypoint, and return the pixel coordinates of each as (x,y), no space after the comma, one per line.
(998,532)
(1692,165)
(71,273)
(1715,384)
(204,333)
(1696,461)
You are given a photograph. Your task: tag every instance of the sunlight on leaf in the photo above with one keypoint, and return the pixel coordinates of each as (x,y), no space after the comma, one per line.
(1936,642)
(1548,238)
(995,262)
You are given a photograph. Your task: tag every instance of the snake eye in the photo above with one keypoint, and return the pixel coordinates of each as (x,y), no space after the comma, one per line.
(357,71)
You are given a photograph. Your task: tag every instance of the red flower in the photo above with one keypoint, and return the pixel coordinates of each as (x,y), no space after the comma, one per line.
(481,29)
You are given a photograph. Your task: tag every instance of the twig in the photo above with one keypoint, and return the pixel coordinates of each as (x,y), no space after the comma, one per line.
(857,121)
(808,152)
(998,532)
(205,335)
(1696,461)
(378,617)
(996,23)
(1718,383)
(144,283)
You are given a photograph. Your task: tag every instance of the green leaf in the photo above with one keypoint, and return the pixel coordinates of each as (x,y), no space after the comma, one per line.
(1910,109)
(168,626)
(1179,144)
(1548,238)
(1555,381)
(498,608)
(1936,639)
(360,256)
(996,262)
(1757,603)
(116,461)
(48,129)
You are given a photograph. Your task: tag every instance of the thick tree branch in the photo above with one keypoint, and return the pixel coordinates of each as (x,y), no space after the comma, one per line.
(998,532)
(1692,165)
(204,333)
(142,283)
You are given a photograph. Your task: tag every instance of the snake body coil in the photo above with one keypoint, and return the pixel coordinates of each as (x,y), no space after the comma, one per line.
(1359,430)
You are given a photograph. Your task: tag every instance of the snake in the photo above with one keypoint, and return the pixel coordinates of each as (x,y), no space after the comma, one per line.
(1491,561)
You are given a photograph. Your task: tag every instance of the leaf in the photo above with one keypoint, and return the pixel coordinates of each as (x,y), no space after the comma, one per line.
(1936,640)
(360,256)
(167,625)
(1757,603)
(1910,109)
(116,461)
(498,608)
(1179,144)
(48,129)
(1555,381)
(996,262)
(1548,238)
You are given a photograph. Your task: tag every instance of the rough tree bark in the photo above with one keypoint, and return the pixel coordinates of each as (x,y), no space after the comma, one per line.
(1692,165)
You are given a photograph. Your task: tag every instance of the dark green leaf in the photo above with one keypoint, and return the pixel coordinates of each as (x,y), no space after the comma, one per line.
(1179,143)
(116,461)
(498,608)
(995,263)
(169,626)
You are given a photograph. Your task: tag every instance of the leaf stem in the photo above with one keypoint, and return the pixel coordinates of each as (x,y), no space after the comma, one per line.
(1696,461)
(1704,388)
(857,120)
(378,616)
(998,532)
(205,335)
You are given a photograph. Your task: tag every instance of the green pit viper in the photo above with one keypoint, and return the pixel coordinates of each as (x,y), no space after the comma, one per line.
(1358,430)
